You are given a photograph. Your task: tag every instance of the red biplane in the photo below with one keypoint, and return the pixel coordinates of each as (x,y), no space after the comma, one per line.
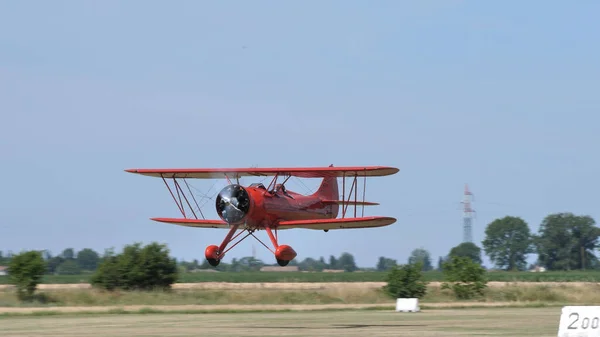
(272,208)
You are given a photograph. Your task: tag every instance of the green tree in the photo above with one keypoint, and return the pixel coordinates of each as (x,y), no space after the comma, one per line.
(507,243)
(346,262)
(440,264)
(25,272)
(189,266)
(109,276)
(53,263)
(250,263)
(68,267)
(310,264)
(406,281)
(88,259)
(385,263)
(68,254)
(3,260)
(465,277)
(137,268)
(420,255)
(566,241)
(333,262)
(467,249)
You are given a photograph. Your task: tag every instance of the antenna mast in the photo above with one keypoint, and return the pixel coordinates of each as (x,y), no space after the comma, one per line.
(467,216)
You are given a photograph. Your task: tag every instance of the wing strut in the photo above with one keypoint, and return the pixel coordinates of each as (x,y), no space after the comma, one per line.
(364,192)
(193,197)
(179,201)
(353,190)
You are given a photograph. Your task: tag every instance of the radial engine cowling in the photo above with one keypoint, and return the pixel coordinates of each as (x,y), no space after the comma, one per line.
(233,204)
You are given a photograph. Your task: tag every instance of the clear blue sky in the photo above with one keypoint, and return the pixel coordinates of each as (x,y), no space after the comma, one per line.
(501,96)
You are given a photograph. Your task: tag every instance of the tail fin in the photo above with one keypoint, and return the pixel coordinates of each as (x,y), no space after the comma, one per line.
(328,190)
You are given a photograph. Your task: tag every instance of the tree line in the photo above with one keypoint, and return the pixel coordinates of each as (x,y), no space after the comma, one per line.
(564,241)
(68,262)
(87,260)
(151,268)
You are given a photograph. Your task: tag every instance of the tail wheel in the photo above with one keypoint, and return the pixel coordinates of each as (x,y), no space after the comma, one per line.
(213,262)
(282,263)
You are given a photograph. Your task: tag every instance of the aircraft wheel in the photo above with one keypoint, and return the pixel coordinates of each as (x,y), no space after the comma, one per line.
(213,262)
(282,263)
(326,230)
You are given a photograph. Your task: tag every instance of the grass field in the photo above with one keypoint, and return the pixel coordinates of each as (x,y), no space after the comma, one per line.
(572,276)
(538,322)
(306,294)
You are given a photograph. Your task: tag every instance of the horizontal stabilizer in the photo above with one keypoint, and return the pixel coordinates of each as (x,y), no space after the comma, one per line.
(351,203)
(194,222)
(345,223)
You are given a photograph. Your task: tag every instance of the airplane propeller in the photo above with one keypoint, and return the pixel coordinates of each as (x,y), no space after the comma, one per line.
(233,203)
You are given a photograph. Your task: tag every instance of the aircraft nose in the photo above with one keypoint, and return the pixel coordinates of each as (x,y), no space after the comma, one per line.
(233,203)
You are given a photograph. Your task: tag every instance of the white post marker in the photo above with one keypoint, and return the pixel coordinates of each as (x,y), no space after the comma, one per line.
(579,321)
(407,305)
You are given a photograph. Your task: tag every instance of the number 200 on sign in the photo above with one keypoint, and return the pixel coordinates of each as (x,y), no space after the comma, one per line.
(575,322)
(580,321)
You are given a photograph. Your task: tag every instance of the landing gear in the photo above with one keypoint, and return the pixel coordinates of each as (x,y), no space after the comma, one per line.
(283,253)
(214,254)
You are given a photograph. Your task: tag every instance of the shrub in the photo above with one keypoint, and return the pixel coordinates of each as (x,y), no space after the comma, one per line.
(137,268)
(406,281)
(465,277)
(26,271)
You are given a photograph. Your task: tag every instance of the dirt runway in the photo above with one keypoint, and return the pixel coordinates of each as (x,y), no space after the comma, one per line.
(539,322)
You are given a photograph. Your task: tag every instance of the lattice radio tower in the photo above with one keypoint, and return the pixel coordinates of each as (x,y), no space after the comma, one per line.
(467,215)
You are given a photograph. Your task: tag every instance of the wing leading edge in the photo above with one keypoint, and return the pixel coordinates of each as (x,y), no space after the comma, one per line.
(197,223)
(344,223)
(321,224)
(301,172)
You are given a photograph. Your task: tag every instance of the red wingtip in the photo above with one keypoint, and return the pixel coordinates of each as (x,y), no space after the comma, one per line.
(131,170)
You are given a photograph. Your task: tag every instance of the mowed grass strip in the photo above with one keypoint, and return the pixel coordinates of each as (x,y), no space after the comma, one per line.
(538,322)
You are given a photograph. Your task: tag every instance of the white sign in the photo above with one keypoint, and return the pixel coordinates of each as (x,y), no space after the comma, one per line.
(407,305)
(579,321)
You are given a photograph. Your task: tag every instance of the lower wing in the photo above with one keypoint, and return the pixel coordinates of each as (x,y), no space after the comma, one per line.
(318,224)
(194,222)
(345,223)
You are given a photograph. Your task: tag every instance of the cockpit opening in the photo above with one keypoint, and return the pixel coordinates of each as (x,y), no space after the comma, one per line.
(280,188)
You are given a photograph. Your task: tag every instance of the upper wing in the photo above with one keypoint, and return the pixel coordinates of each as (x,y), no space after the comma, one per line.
(302,172)
(194,222)
(345,223)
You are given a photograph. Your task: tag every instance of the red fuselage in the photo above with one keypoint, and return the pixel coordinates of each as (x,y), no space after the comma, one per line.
(264,208)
